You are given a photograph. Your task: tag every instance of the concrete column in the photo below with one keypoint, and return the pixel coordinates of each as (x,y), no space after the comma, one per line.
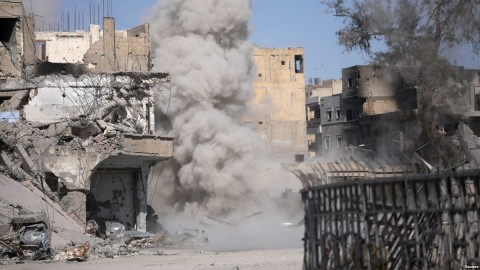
(109,42)
(94,33)
(148,48)
(142,187)
(29,40)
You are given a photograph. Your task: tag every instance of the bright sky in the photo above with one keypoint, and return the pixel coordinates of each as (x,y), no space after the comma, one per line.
(275,23)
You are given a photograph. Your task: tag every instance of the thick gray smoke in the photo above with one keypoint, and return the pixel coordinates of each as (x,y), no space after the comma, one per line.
(220,168)
(204,46)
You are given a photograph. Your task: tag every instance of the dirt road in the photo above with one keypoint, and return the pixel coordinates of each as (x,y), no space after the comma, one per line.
(281,259)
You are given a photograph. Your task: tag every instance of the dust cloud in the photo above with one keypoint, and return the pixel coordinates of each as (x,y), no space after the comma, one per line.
(221,170)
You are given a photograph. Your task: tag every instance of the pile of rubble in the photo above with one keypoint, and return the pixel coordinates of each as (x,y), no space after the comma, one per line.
(27,238)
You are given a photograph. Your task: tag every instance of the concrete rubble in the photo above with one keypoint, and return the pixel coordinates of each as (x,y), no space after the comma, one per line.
(36,154)
(77,140)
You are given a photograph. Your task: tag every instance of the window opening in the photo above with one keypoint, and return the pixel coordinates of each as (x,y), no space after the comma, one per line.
(298,63)
(327,143)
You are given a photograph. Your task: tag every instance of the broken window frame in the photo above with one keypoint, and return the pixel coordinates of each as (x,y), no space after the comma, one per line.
(298,63)
(350,83)
(337,113)
(329,114)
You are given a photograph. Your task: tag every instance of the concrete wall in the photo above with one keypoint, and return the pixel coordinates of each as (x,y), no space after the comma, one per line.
(64,97)
(380,105)
(127,50)
(113,196)
(280,97)
(12,40)
(64,47)
(332,115)
(104,51)
(368,81)
(327,88)
(60,97)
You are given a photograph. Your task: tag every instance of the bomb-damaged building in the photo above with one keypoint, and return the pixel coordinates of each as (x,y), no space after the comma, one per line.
(81,129)
(366,116)
(376,114)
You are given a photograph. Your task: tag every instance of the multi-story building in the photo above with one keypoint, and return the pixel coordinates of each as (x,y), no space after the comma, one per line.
(365,119)
(314,94)
(279,103)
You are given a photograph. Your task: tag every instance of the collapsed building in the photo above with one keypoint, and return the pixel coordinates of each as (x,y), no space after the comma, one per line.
(78,116)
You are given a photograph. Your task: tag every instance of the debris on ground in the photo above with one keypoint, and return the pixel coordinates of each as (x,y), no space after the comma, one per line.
(114,230)
(28,238)
(75,253)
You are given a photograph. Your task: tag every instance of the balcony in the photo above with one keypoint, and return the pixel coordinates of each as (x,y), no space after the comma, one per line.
(137,144)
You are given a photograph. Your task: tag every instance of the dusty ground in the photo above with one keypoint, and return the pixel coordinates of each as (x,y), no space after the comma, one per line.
(281,259)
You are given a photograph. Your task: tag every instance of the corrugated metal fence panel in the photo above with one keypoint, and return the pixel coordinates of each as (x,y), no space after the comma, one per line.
(410,222)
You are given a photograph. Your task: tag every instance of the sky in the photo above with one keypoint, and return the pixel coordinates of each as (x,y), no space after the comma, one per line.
(275,23)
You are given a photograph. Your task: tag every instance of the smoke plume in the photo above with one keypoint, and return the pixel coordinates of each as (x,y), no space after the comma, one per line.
(220,164)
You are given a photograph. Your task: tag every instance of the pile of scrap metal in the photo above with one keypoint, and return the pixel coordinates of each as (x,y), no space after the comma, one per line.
(28,238)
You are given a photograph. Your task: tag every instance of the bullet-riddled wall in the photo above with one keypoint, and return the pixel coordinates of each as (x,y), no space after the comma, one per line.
(278,110)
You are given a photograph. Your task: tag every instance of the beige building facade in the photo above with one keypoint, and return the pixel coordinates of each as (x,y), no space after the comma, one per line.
(103,51)
(278,112)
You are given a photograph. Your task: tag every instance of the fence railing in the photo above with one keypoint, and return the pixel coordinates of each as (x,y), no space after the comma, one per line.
(421,221)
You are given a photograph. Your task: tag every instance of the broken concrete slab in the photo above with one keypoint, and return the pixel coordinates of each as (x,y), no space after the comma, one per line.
(57,129)
(102,124)
(109,132)
(84,132)
(15,101)
(99,138)
(28,163)
(122,128)
(64,229)
(16,170)
(20,220)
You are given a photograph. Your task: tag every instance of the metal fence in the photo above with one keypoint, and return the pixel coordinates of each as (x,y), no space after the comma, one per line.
(428,221)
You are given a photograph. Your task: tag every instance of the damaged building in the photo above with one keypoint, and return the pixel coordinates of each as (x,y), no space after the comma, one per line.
(107,50)
(78,115)
(16,40)
(314,94)
(366,117)
(89,142)
(279,99)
